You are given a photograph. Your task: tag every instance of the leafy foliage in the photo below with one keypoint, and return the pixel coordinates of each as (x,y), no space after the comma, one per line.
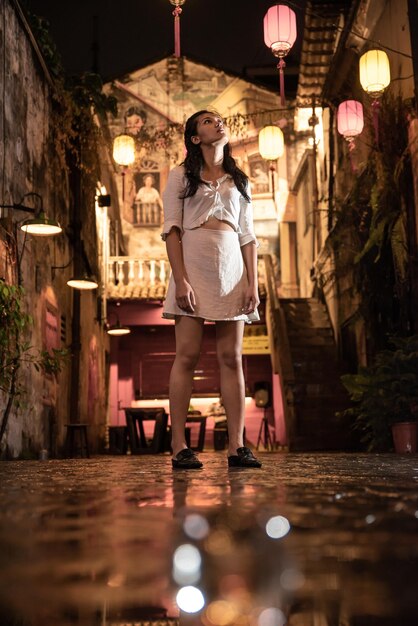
(384,393)
(369,240)
(76,100)
(16,350)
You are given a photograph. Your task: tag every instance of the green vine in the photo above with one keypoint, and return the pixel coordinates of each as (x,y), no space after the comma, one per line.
(15,350)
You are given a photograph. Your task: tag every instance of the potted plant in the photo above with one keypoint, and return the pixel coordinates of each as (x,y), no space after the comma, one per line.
(385,397)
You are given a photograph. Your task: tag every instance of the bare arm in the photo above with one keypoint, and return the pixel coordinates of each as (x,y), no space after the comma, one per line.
(249,254)
(184,293)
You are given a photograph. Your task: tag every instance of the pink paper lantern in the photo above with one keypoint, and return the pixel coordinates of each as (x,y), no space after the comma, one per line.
(280,29)
(279,35)
(350,120)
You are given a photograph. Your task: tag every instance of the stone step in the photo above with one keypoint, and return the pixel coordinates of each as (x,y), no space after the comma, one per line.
(308,323)
(313,316)
(293,309)
(309,370)
(300,301)
(330,389)
(310,351)
(302,306)
(295,330)
(301,341)
(317,391)
(314,353)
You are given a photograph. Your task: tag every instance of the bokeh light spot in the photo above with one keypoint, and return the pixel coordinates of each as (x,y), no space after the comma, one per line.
(190,599)
(195,526)
(221,613)
(277,527)
(271,617)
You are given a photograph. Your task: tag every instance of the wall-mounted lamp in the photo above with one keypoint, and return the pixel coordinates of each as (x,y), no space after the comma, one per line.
(84,279)
(40,225)
(117,330)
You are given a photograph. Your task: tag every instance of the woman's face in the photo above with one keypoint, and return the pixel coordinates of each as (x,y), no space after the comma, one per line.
(210,130)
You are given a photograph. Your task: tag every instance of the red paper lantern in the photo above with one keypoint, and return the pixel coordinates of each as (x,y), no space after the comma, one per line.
(279,35)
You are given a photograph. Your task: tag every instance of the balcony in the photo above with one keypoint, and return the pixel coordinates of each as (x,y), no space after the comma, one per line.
(130,278)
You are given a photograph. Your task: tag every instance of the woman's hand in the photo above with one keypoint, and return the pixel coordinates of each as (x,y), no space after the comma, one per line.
(185,297)
(251,301)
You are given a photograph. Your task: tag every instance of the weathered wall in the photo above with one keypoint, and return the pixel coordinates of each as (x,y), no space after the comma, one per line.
(387,24)
(29,163)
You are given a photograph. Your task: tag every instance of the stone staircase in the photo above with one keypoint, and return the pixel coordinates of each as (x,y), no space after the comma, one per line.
(315,392)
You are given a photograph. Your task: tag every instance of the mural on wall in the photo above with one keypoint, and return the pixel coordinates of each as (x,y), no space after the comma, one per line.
(153,104)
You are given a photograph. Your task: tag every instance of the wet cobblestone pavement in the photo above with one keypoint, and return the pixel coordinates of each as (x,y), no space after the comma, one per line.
(310,540)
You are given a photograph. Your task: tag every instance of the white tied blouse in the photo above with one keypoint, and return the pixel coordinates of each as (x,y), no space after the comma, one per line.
(221,200)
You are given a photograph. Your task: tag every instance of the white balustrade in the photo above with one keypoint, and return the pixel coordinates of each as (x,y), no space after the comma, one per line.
(132,277)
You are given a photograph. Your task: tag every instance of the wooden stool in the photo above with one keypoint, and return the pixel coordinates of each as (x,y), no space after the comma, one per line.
(73,447)
(135,419)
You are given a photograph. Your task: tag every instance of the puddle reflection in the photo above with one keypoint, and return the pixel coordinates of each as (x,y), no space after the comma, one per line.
(112,542)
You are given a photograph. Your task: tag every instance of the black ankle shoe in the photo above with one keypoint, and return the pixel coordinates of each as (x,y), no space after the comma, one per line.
(186,459)
(243,458)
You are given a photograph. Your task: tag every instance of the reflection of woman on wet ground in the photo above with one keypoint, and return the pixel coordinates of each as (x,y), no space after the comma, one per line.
(211,246)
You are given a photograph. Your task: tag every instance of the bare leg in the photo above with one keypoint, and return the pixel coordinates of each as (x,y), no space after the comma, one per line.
(229,350)
(188,339)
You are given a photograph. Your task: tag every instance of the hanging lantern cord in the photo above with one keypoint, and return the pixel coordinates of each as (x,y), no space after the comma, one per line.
(280,66)
(375,114)
(176,13)
(272,170)
(351,147)
(123,183)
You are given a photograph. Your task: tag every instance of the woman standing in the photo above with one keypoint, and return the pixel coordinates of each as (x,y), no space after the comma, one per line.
(211,247)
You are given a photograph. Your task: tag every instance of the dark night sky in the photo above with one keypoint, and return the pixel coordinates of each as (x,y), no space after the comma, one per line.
(133,33)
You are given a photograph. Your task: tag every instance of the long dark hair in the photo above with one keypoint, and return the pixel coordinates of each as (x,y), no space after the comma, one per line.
(194,162)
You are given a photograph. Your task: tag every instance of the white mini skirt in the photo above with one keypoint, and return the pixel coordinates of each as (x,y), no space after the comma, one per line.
(216,271)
